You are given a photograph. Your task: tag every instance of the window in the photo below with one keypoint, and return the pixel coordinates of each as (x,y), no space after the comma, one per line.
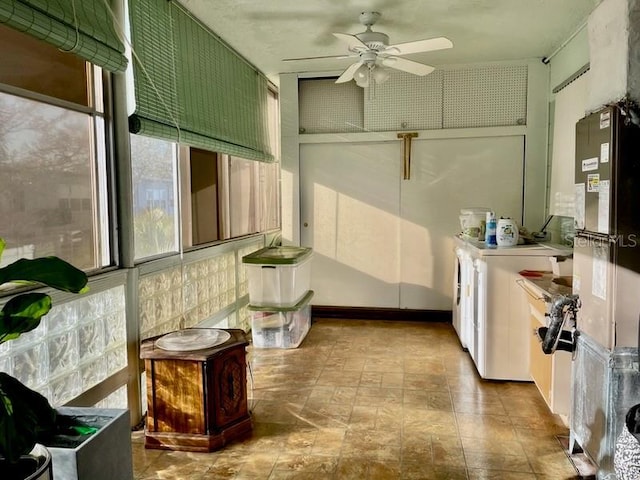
(205,195)
(155,209)
(253,198)
(53,198)
(191,197)
(243,196)
(269,185)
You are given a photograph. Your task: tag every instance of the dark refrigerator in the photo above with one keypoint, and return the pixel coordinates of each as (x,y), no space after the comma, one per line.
(607,175)
(606,277)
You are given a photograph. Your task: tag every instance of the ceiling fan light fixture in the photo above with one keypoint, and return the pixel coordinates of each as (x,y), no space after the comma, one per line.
(361,76)
(362,82)
(380,75)
(362,73)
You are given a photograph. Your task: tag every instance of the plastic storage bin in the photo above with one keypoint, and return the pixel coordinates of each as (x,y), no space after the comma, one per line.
(278,276)
(281,327)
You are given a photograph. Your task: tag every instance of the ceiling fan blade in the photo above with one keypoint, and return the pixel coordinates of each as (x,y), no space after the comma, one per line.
(347,75)
(408,66)
(315,58)
(439,43)
(354,43)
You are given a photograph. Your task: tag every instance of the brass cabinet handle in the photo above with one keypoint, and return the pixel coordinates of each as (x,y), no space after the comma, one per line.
(406,153)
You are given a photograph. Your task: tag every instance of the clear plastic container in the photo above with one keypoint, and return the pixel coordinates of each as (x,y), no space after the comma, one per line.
(471,220)
(278,276)
(283,327)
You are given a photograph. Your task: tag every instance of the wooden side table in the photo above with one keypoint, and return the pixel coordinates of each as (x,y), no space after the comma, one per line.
(197,400)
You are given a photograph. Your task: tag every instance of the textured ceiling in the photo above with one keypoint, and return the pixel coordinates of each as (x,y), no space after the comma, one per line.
(481,30)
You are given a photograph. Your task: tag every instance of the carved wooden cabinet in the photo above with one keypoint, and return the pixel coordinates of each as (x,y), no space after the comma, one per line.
(197,400)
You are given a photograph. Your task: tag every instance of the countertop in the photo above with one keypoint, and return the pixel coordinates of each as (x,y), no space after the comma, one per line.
(536,249)
(544,287)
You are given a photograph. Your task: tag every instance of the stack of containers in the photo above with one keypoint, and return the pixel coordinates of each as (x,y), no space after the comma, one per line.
(279,295)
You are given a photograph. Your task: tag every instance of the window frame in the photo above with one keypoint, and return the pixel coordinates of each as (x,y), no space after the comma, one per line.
(102,183)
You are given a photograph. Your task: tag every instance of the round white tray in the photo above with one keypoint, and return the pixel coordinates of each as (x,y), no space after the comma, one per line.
(192,339)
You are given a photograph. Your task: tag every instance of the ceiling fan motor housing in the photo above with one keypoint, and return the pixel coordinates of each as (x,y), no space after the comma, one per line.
(373,40)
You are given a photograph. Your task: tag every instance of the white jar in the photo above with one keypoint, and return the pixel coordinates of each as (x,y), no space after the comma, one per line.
(507,233)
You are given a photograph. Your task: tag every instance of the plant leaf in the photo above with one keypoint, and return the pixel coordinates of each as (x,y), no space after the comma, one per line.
(2,245)
(22,314)
(51,271)
(25,418)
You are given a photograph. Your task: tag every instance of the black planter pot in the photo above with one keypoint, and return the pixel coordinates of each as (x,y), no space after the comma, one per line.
(35,466)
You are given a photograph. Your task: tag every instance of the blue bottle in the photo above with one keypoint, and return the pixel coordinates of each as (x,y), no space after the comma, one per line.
(490,237)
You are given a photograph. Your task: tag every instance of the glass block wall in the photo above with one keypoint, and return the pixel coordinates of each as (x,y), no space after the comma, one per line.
(77,345)
(209,286)
(117,399)
(194,292)
(83,340)
(160,300)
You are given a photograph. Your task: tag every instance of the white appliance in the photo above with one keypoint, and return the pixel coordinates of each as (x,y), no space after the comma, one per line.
(463,296)
(494,310)
(456,313)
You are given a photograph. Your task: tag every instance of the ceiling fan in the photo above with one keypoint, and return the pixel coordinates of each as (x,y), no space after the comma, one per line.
(374,52)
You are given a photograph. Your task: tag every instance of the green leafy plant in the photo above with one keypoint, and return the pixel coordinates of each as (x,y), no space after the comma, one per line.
(26,417)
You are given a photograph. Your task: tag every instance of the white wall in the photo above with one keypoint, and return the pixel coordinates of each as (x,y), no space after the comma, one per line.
(567,106)
(535,132)
(614,43)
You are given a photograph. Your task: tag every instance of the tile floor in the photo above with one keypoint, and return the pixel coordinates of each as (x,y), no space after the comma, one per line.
(378,400)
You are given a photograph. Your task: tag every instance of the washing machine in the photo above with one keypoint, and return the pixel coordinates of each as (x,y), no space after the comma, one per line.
(463,296)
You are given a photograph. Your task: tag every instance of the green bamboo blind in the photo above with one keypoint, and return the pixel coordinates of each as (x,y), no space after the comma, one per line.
(190,87)
(84,27)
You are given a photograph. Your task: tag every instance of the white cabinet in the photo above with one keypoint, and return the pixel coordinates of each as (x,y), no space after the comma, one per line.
(381,241)
(551,373)
(497,309)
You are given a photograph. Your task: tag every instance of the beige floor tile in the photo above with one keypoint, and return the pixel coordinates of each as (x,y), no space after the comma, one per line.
(267,437)
(420,381)
(178,465)
(363,417)
(276,412)
(555,463)
(497,461)
(384,470)
(328,441)
(416,448)
(300,440)
(306,463)
(390,418)
(418,471)
(479,474)
(344,395)
(496,427)
(258,464)
(447,451)
(352,468)
(429,421)
(371,379)
(372,400)
(491,445)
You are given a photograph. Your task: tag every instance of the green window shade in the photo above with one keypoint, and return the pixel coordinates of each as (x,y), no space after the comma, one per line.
(192,88)
(84,27)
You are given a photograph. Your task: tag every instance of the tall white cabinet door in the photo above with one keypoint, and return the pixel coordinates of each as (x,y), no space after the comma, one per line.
(447,175)
(349,215)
